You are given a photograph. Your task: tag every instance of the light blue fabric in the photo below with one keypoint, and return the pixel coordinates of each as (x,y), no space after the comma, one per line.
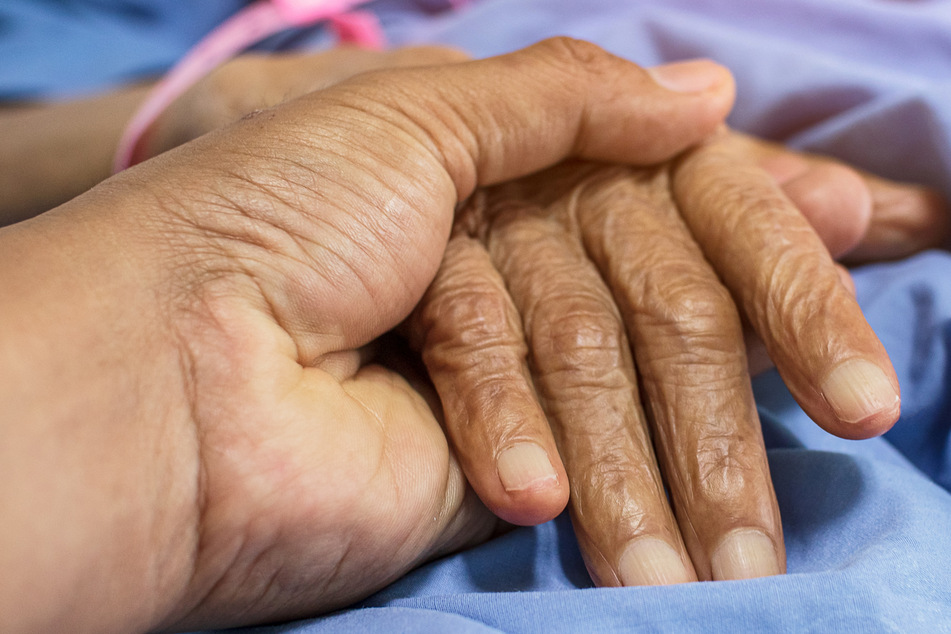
(65,47)
(867,524)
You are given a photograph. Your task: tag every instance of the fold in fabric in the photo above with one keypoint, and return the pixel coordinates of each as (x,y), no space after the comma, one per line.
(867,524)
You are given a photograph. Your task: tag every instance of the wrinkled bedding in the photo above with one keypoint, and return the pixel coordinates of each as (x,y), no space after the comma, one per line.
(867,524)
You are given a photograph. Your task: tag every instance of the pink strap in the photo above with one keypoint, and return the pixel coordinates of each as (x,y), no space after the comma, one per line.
(250,25)
(360,28)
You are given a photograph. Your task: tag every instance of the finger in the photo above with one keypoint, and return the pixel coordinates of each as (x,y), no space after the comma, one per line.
(906,219)
(828,192)
(836,202)
(474,350)
(859,216)
(585,377)
(834,198)
(471,523)
(784,279)
(758,360)
(561,98)
(688,345)
(351,190)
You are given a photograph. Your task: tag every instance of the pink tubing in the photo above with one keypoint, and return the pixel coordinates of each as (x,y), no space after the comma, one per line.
(250,25)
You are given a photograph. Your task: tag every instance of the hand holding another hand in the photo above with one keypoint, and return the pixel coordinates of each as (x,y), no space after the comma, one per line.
(612,275)
(222,292)
(258,468)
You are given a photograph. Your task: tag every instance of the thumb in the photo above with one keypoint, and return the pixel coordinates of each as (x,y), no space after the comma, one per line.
(351,190)
(497,119)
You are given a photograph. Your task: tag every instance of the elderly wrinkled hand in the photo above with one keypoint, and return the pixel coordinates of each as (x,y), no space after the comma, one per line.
(217,451)
(606,294)
(612,522)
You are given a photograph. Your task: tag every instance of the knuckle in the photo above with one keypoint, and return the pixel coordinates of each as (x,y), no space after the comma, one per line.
(469,316)
(728,466)
(575,54)
(611,190)
(501,402)
(604,484)
(518,232)
(469,310)
(611,476)
(689,303)
(688,327)
(796,295)
(624,491)
(578,333)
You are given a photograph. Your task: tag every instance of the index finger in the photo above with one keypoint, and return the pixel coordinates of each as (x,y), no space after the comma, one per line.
(860,217)
(784,278)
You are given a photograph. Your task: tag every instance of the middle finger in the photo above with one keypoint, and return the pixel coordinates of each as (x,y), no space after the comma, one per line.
(585,377)
(688,345)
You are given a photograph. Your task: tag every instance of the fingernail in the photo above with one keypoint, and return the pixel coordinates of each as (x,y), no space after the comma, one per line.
(525,466)
(690,76)
(858,389)
(744,554)
(649,561)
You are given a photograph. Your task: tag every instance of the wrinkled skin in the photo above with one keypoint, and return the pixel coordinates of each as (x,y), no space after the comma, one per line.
(860,217)
(218,452)
(476,351)
(257,467)
(577,320)
(600,288)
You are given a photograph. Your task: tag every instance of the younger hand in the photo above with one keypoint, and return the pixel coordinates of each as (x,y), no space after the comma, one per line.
(217,453)
(254,81)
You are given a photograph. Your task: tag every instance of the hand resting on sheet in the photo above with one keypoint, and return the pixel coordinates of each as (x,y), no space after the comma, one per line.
(497,410)
(217,445)
(488,411)
(612,276)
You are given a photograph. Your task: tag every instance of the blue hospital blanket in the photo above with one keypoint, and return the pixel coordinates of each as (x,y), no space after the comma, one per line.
(867,524)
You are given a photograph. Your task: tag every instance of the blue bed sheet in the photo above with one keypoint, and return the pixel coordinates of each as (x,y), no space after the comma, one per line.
(867,524)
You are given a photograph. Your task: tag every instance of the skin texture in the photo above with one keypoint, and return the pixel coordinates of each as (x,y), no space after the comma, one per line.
(784,278)
(48,158)
(264,271)
(605,275)
(884,220)
(217,453)
(634,348)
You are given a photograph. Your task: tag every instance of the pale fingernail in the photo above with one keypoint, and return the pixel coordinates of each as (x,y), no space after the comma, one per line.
(649,561)
(690,76)
(744,554)
(858,389)
(525,466)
